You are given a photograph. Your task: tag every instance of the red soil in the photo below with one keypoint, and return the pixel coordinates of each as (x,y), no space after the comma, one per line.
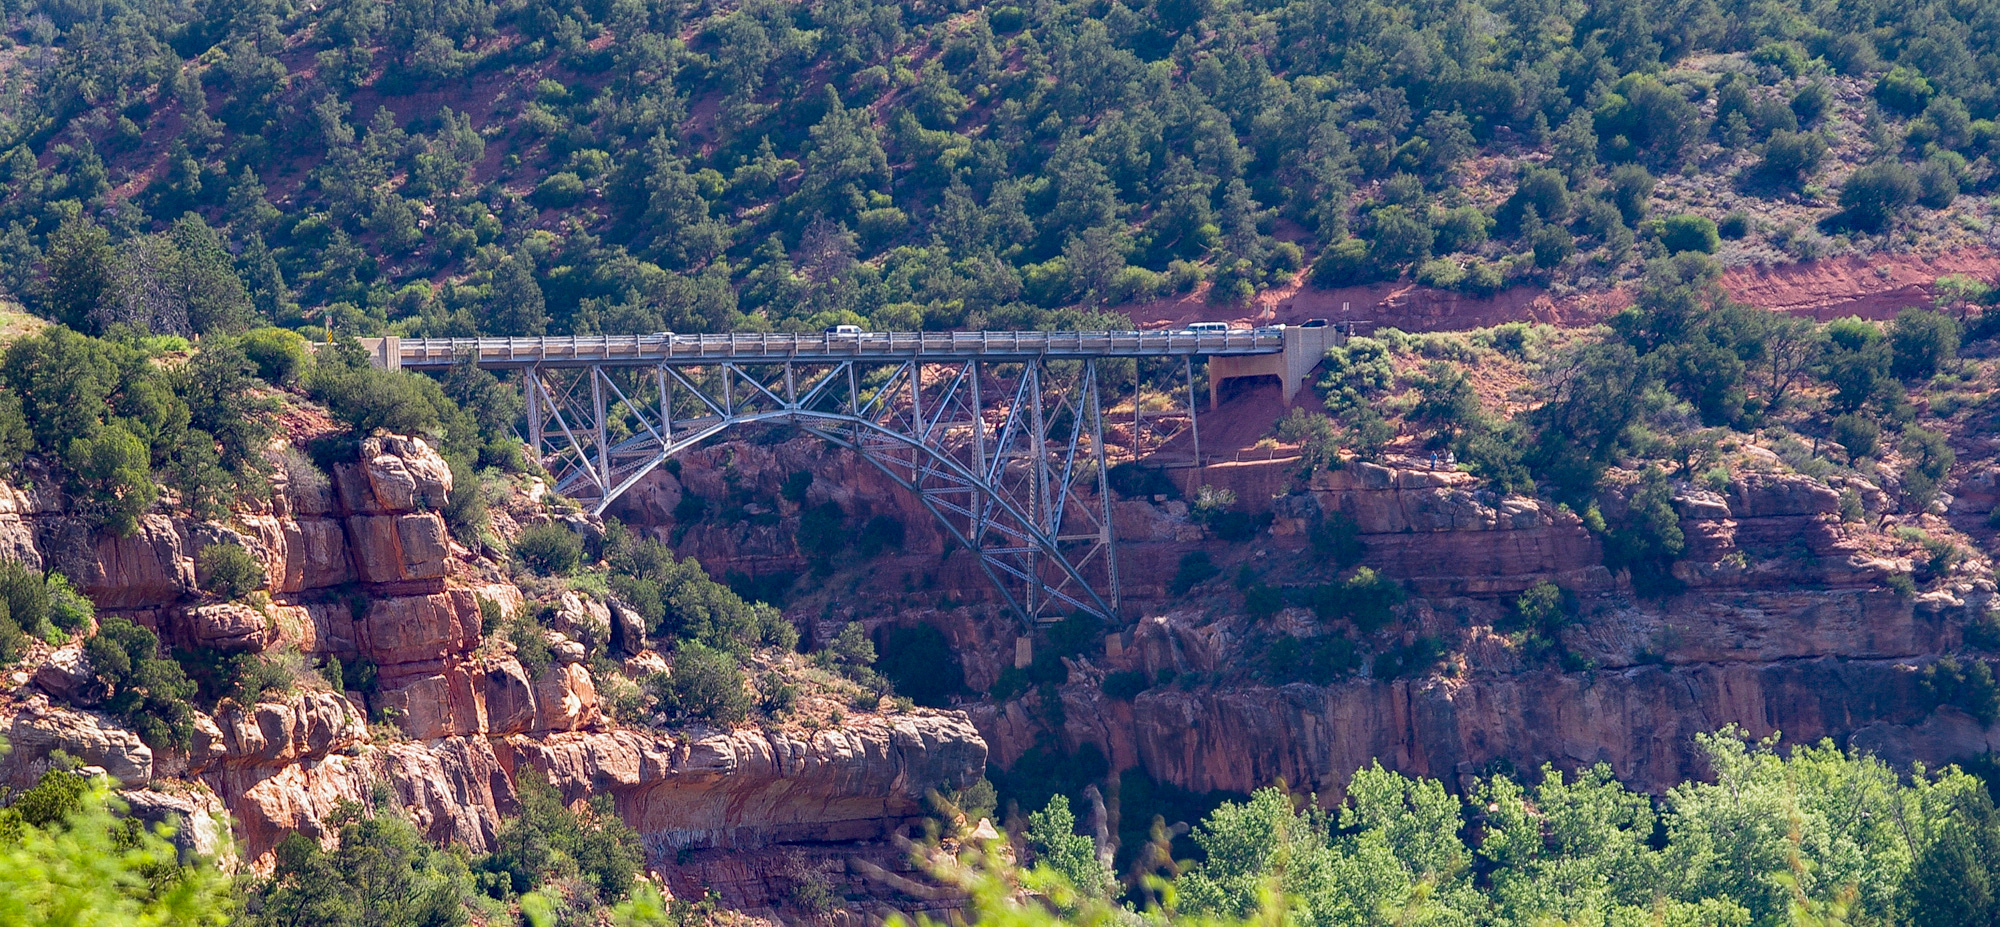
(1870,286)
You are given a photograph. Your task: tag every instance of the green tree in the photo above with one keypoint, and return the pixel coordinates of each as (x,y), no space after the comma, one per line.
(705,685)
(1857,362)
(68,855)
(1921,342)
(148,693)
(1446,403)
(518,307)
(381,871)
(548,844)
(1875,193)
(1928,459)
(204,279)
(1053,838)
(1399,239)
(110,476)
(1955,880)
(80,272)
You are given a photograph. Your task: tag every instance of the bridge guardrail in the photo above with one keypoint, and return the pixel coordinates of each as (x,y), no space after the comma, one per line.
(749,346)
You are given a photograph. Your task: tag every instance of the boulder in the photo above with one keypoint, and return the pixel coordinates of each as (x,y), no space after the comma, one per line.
(394,475)
(306,726)
(198,822)
(565,699)
(67,675)
(509,697)
(645,663)
(628,630)
(39,731)
(229,626)
(1764,495)
(585,619)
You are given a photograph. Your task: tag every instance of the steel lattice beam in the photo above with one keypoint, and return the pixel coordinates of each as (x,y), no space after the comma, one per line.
(1008,455)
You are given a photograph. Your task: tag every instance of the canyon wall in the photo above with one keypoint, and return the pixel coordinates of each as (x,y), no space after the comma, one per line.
(1787,624)
(361,569)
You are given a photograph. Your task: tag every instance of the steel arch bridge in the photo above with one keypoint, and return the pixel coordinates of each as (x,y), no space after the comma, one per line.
(1000,435)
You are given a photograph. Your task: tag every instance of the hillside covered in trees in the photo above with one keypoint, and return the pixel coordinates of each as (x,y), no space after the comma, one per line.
(526,166)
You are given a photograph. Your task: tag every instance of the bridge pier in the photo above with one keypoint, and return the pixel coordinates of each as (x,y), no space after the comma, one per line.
(1304,349)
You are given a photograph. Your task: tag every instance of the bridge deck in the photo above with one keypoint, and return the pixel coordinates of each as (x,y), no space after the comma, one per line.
(647,350)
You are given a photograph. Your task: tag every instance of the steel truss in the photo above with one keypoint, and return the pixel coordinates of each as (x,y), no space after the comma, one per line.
(1008,455)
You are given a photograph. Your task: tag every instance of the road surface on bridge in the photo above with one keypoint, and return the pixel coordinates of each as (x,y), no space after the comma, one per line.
(751,347)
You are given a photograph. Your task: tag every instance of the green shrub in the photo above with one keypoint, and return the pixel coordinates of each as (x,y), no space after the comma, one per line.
(1687,232)
(880,533)
(1544,609)
(229,571)
(1313,432)
(1648,537)
(822,532)
(1983,632)
(1413,659)
(1875,193)
(681,602)
(1337,537)
(1368,599)
(705,685)
(851,652)
(1921,343)
(148,693)
(1904,90)
(549,842)
(110,478)
(1856,435)
(550,549)
(1344,263)
(1196,567)
(1790,158)
(558,190)
(40,604)
(1930,458)
(280,354)
(531,644)
(796,486)
(1967,686)
(1261,601)
(465,511)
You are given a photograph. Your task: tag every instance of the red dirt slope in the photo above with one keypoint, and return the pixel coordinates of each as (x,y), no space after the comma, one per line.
(1870,286)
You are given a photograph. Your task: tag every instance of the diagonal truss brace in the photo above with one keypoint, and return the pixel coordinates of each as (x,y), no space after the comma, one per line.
(1008,456)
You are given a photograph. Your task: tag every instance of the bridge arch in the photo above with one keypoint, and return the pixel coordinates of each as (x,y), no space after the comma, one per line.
(1018,476)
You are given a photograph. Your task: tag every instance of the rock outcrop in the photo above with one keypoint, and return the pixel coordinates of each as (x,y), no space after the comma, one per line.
(1788,623)
(860,781)
(361,569)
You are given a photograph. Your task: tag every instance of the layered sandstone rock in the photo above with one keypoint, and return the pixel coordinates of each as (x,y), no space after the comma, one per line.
(361,568)
(38,730)
(1641,720)
(860,781)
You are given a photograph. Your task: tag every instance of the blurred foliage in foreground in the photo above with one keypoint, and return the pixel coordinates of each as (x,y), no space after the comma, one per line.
(1810,837)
